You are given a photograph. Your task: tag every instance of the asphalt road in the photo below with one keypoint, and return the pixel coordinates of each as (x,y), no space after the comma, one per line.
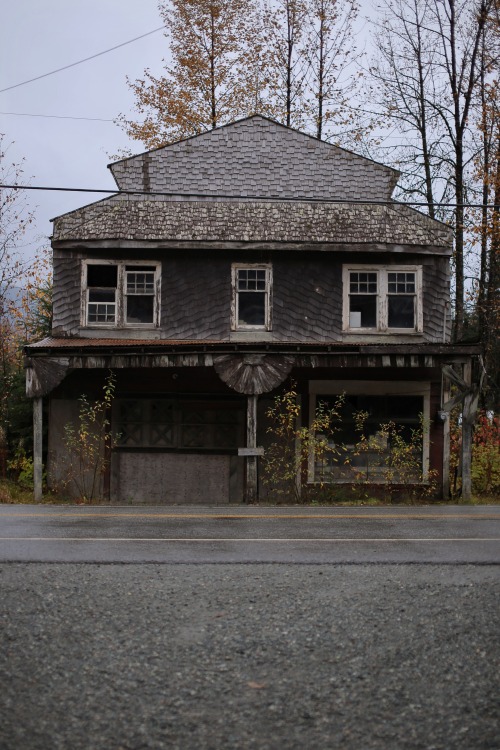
(340,653)
(439,534)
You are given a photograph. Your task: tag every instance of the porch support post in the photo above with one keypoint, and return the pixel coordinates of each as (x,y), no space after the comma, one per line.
(251,490)
(468,414)
(37,448)
(446,442)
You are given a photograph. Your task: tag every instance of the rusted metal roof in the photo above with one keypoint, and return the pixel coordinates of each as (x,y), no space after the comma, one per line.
(144,345)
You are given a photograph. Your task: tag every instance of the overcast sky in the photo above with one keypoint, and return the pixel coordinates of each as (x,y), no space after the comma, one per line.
(38,37)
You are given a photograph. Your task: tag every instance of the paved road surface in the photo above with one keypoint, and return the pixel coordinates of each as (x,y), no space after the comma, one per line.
(440,534)
(254,656)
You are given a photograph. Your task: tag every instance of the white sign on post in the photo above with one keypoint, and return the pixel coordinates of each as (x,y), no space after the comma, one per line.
(251,451)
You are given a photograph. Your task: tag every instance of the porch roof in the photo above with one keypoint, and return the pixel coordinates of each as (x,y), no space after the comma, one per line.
(249,367)
(129,346)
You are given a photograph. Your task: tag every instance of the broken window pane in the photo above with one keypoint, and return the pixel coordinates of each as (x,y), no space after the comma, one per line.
(140,309)
(401,311)
(101,283)
(363,311)
(251,309)
(365,454)
(102,276)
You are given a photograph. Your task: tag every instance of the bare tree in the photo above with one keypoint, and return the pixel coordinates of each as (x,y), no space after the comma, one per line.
(329,51)
(488,224)
(284,60)
(405,73)
(458,29)
(429,75)
(15,218)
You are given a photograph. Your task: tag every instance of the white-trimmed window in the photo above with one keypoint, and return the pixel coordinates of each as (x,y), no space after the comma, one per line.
(382,300)
(121,293)
(363,448)
(251,304)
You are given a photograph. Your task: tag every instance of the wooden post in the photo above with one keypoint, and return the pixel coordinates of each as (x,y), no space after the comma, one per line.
(37,448)
(251,490)
(467,427)
(446,441)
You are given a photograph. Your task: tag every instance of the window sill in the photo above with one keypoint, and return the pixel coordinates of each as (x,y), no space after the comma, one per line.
(373,337)
(254,334)
(108,332)
(388,332)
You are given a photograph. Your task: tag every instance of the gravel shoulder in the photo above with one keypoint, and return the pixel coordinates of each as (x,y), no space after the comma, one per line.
(267,657)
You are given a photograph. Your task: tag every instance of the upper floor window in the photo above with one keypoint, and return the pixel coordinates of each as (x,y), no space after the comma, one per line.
(251,297)
(382,300)
(121,294)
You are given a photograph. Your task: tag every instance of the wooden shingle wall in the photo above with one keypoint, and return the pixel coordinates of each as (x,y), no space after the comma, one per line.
(306,295)
(258,157)
(196,297)
(436,299)
(66,298)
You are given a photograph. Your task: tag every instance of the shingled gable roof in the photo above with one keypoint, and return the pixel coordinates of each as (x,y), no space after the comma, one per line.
(257,157)
(253,183)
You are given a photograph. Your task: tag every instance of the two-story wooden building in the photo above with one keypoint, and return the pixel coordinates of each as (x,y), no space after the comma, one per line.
(227,263)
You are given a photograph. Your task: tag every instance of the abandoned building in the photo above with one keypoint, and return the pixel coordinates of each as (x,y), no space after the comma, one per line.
(226,265)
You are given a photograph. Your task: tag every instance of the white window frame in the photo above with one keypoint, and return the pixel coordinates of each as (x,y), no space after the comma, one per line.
(382,307)
(267,267)
(319,388)
(121,293)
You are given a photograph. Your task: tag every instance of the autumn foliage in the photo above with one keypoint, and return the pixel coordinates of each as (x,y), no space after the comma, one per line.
(231,58)
(485,455)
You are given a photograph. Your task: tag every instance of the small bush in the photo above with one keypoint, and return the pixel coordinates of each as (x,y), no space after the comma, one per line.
(20,467)
(88,443)
(486,456)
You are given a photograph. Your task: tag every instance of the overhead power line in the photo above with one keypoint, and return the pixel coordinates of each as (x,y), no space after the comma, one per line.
(300,199)
(57,117)
(79,62)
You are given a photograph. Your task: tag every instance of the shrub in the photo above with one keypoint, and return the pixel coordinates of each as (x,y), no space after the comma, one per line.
(88,443)
(486,455)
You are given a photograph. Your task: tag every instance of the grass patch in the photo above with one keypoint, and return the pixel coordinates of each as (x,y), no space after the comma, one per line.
(13,493)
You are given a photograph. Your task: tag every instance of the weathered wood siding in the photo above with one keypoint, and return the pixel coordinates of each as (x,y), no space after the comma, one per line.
(306,297)
(67,293)
(169,478)
(256,156)
(436,288)
(196,298)
(64,473)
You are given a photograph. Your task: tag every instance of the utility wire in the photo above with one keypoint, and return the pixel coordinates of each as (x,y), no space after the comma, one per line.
(79,62)
(57,117)
(304,199)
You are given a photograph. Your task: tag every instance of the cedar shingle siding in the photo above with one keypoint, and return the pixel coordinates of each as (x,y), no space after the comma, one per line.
(257,157)
(306,300)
